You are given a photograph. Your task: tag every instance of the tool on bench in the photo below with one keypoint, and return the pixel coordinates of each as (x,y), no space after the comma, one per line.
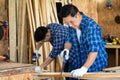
(5,24)
(36,57)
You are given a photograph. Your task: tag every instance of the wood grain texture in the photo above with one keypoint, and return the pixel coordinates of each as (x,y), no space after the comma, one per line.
(12,30)
(106,17)
(23,76)
(3,17)
(86,76)
(89,7)
(16,71)
(9,65)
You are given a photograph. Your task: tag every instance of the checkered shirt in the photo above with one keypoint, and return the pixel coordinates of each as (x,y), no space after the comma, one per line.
(91,40)
(59,34)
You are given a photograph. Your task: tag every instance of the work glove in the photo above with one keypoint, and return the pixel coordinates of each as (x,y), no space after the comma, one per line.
(37,69)
(65,54)
(36,55)
(79,72)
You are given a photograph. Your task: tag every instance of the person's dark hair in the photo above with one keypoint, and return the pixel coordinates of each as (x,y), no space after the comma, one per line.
(40,33)
(67,10)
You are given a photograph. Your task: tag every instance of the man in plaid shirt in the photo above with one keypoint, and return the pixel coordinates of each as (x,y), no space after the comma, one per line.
(93,56)
(58,35)
(54,33)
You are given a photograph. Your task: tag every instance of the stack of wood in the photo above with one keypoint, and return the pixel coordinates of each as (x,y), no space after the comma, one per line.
(24,17)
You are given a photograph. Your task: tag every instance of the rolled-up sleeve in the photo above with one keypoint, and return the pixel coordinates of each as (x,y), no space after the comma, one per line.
(58,45)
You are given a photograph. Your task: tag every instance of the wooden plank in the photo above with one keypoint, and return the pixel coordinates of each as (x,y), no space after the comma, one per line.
(9,65)
(54,10)
(19,10)
(22,44)
(112,46)
(12,30)
(36,12)
(24,76)
(113,68)
(31,25)
(86,76)
(30,50)
(32,15)
(43,12)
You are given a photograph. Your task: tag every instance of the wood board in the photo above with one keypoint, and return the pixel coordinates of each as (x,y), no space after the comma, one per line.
(93,75)
(86,76)
(9,65)
(8,68)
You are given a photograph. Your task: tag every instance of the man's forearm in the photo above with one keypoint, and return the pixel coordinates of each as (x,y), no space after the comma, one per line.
(46,62)
(90,60)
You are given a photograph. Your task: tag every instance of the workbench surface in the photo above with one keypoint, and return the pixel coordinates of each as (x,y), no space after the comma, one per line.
(10,68)
(108,73)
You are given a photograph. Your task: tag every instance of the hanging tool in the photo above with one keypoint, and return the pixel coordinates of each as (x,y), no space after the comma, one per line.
(6,27)
(1,31)
(6,30)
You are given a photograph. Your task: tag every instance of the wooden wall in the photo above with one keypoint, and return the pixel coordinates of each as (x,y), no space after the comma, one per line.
(3,17)
(88,7)
(106,17)
(106,21)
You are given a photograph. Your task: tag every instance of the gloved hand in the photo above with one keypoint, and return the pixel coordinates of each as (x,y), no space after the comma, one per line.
(66,57)
(37,69)
(79,72)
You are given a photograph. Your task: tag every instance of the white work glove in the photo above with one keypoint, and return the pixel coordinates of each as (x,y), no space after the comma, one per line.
(79,72)
(67,54)
(37,69)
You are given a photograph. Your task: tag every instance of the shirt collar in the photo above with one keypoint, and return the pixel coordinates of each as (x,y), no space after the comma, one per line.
(83,21)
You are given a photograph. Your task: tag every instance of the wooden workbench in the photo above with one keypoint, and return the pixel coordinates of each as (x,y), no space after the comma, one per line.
(92,76)
(16,71)
(116,47)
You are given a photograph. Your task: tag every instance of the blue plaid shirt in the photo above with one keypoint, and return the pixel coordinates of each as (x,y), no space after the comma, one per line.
(74,59)
(59,34)
(91,40)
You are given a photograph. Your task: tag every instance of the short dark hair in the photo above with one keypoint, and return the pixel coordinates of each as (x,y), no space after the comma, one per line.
(67,10)
(40,33)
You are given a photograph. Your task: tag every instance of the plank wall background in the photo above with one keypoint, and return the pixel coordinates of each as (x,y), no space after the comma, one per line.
(3,17)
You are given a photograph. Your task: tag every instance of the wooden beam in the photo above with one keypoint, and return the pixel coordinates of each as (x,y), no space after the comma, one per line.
(31,25)
(12,29)
(36,12)
(86,76)
(22,44)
